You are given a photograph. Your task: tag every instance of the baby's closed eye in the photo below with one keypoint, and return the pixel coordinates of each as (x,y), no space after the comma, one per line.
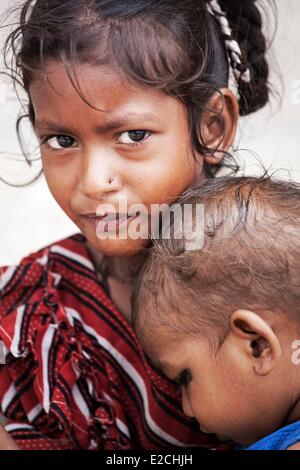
(185,378)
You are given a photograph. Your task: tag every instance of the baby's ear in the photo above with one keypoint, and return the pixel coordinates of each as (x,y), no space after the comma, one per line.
(219,124)
(257,338)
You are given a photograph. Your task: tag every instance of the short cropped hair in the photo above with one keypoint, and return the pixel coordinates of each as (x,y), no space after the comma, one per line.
(250,258)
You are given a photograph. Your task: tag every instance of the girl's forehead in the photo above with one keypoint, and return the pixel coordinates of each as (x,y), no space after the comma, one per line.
(86,77)
(55,78)
(101,86)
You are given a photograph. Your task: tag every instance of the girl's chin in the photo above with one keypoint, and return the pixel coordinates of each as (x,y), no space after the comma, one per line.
(116,243)
(118,248)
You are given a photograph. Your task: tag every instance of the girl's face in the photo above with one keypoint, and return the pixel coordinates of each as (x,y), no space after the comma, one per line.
(134,147)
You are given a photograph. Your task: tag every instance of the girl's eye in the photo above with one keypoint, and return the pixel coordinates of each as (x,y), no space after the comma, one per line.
(59,141)
(185,378)
(133,137)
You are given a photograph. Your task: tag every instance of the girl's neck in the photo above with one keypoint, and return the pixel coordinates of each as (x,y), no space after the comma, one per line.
(124,269)
(118,274)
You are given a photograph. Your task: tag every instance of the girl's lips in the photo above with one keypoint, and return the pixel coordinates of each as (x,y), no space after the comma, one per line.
(110,222)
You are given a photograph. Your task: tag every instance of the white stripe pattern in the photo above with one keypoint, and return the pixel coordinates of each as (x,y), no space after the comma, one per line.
(46,347)
(14,348)
(122,427)
(71,255)
(8,397)
(131,372)
(17,426)
(34,412)
(43,260)
(80,402)
(120,424)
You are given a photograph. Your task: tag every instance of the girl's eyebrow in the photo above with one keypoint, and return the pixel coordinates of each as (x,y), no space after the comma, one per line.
(109,125)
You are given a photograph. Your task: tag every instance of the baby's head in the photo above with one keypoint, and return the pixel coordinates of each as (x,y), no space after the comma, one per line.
(222,320)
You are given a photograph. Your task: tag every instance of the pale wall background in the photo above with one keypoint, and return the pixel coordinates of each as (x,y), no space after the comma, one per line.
(30,218)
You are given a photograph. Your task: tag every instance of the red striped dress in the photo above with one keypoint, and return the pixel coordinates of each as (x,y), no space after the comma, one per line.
(72,374)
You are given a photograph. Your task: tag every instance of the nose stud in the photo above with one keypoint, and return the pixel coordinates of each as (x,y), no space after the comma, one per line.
(113,182)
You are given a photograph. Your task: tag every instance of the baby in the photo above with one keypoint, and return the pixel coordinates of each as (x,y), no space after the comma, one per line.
(224,320)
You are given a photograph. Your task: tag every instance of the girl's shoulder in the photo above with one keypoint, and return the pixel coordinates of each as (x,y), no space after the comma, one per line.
(50,261)
(72,247)
(59,279)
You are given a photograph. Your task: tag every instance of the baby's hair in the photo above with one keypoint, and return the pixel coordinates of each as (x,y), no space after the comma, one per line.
(250,259)
(182,47)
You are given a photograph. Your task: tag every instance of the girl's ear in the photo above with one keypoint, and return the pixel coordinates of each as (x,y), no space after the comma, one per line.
(219,124)
(258,340)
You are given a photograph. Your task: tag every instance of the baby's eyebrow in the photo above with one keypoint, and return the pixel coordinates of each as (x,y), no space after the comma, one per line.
(110,124)
(168,369)
(164,365)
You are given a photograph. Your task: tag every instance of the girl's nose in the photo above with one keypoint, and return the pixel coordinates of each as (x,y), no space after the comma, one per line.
(186,404)
(98,175)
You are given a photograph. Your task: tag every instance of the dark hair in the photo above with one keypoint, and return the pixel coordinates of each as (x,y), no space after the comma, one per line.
(250,259)
(177,46)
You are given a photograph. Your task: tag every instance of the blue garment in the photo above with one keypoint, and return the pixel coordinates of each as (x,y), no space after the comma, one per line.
(278,440)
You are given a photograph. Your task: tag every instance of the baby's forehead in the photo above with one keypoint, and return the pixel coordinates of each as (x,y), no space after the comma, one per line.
(162,345)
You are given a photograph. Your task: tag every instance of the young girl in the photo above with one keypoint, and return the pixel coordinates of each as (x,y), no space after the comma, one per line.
(129,100)
(223,320)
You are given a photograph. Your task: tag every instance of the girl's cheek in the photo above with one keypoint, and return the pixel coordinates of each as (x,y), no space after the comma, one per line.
(169,181)
(59,171)
(60,185)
